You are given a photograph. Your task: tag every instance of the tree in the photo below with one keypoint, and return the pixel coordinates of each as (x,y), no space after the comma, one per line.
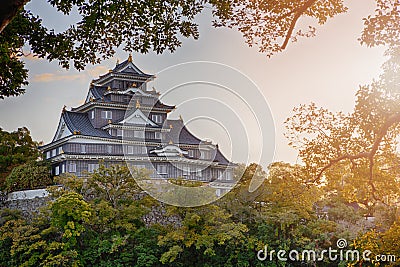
(116,184)
(69,213)
(86,226)
(380,243)
(30,175)
(115,234)
(138,25)
(145,26)
(16,148)
(355,154)
(202,231)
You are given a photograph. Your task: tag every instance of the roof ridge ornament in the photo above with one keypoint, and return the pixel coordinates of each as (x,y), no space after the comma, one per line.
(137,103)
(130,57)
(117,62)
(64,108)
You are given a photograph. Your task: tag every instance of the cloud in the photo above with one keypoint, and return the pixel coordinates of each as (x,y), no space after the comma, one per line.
(87,75)
(51,77)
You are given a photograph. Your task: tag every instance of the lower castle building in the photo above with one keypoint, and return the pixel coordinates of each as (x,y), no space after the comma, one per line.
(121,122)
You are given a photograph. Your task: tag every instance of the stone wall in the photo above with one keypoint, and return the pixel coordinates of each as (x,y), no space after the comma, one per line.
(158,215)
(27,201)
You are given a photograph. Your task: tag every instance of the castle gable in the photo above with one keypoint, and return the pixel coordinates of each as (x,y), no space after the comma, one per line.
(138,118)
(62,130)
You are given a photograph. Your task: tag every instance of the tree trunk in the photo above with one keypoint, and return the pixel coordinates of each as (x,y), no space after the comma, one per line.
(8,10)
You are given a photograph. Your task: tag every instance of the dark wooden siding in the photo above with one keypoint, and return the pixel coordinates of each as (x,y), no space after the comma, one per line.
(102,149)
(173,170)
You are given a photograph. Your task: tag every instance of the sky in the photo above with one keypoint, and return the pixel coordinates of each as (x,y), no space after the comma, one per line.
(326,69)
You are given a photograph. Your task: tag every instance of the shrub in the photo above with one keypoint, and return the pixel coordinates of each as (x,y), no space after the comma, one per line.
(31,175)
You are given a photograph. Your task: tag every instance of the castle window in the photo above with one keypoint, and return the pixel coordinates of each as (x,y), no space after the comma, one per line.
(109,149)
(54,152)
(129,150)
(62,168)
(59,150)
(228,176)
(72,167)
(48,155)
(57,170)
(83,148)
(92,167)
(206,154)
(156,118)
(162,169)
(120,132)
(106,114)
(157,135)
(198,172)
(186,171)
(218,192)
(191,153)
(219,174)
(92,114)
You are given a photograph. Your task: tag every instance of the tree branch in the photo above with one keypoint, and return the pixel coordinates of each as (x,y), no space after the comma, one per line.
(391,120)
(8,10)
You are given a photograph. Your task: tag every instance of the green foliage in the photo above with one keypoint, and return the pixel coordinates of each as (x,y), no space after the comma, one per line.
(30,175)
(181,192)
(115,184)
(203,230)
(98,222)
(104,25)
(380,243)
(13,73)
(69,213)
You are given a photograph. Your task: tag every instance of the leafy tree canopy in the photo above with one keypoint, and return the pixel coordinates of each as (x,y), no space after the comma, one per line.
(16,148)
(145,26)
(30,175)
(354,154)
